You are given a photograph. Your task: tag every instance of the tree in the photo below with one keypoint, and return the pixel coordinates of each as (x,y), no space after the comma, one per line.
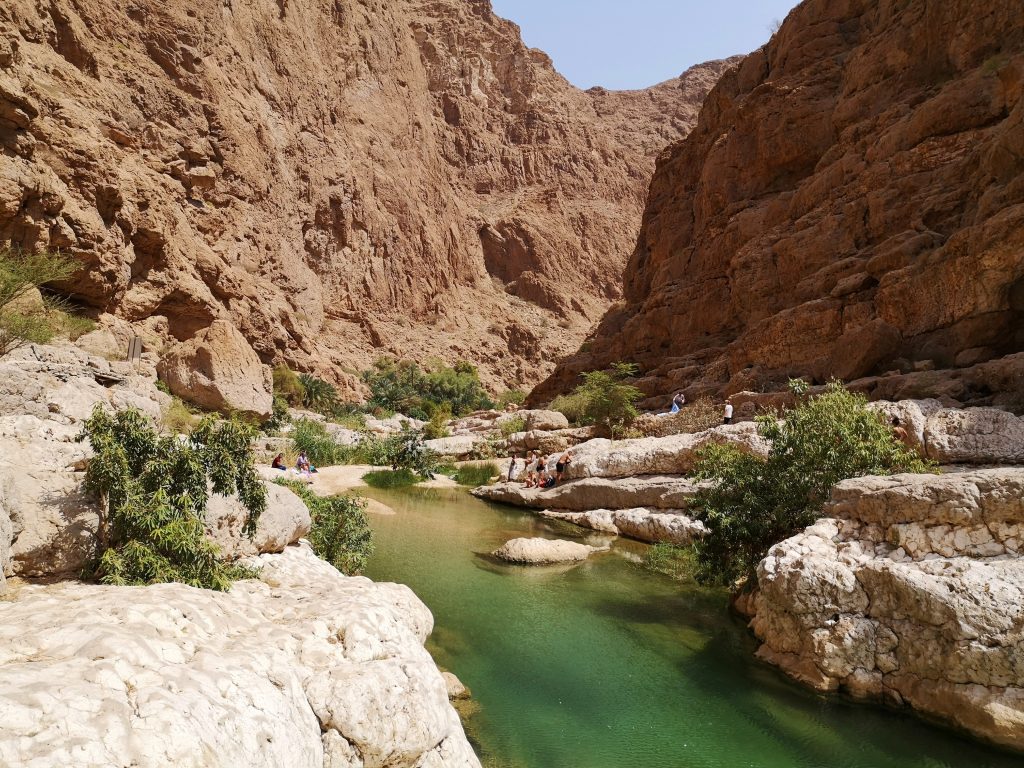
(402,387)
(318,395)
(604,399)
(753,502)
(407,451)
(20,273)
(153,490)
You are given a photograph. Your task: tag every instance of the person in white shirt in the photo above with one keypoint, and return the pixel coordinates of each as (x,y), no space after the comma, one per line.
(728,412)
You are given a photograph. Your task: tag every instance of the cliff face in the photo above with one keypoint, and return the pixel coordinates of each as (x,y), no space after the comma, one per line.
(850,203)
(337,179)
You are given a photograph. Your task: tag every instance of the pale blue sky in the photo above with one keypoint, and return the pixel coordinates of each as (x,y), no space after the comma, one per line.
(637,43)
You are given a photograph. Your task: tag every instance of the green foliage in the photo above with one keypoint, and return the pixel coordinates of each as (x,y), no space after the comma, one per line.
(312,438)
(162,386)
(513,425)
(402,387)
(391,478)
(406,450)
(288,386)
(346,415)
(153,491)
(511,397)
(671,560)
(340,533)
(318,395)
(20,272)
(573,406)
(476,474)
(69,324)
(438,424)
(278,416)
(604,399)
(755,502)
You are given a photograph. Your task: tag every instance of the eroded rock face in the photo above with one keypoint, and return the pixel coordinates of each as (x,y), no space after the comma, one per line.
(833,212)
(590,493)
(304,667)
(336,180)
(910,590)
(543,551)
(219,371)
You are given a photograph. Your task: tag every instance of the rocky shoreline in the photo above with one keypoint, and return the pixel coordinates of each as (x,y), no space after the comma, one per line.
(907,591)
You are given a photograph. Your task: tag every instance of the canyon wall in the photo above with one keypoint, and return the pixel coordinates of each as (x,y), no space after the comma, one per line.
(850,204)
(336,178)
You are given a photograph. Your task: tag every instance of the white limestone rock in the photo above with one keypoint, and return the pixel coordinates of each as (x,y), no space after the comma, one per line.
(643,524)
(590,493)
(304,668)
(543,551)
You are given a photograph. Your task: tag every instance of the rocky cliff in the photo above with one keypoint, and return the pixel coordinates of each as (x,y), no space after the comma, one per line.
(850,204)
(336,179)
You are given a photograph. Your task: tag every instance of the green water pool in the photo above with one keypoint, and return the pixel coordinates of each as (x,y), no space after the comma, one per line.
(604,665)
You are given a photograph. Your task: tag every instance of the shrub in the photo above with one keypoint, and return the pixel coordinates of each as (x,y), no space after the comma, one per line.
(671,560)
(573,406)
(288,386)
(391,478)
(339,533)
(312,438)
(694,417)
(21,272)
(405,450)
(438,424)
(513,425)
(278,416)
(71,325)
(318,395)
(153,491)
(754,502)
(603,399)
(511,397)
(177,418)
(346,416)
(476,474)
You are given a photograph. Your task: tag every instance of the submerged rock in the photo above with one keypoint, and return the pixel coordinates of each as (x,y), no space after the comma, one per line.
(910,590)
(304,668)
(541,551)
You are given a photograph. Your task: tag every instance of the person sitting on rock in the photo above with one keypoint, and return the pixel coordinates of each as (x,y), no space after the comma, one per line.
(530,470)
(678,401)
(278,463)
(900,433)
(560,466)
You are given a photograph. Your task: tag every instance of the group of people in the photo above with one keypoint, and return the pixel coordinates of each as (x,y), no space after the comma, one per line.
(537,471)
(303,467)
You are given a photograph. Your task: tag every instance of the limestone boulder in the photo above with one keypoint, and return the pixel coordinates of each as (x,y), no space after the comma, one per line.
(652,525)
(975,436)
(546,421)
(548,442)
(911,591)
(524,551)
(596,493)
(672,455)
(218,370)
(459,447)
(303,667)
(284,522)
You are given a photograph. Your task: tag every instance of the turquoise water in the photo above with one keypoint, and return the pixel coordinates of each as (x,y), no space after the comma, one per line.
(603,664)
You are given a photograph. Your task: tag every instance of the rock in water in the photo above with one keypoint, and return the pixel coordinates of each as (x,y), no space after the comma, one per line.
(219,371)
(305,668)
(541,551)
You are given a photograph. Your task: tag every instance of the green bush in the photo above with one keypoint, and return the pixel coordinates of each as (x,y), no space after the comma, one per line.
(754,502)
(391,478)
(604,399)
(671,560)
(339,533)
(153,491)
(318,395)
(278,416)
(438,425)
(511,397)
(312,438)
(177,419)
(402,387)
(511,426)
(406,450)
(288,386)
(21,272)
(476,474)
